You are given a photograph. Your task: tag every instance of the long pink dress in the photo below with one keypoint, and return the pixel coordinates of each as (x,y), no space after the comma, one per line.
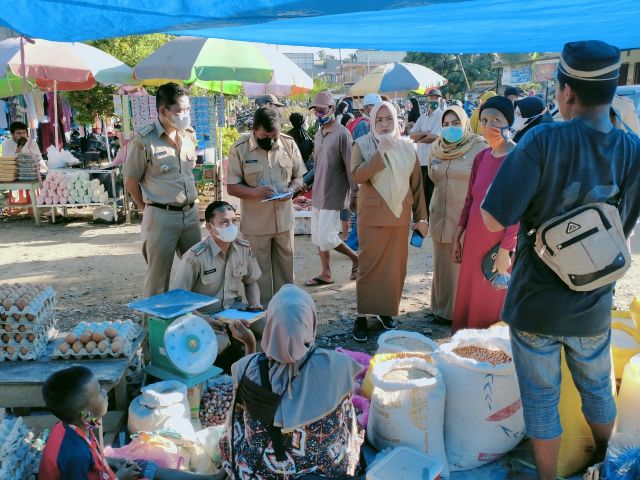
(478,304)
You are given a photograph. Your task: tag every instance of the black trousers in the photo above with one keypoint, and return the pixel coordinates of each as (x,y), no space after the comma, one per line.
(427,184)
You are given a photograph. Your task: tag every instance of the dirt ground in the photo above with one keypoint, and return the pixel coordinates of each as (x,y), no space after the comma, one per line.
(98,269)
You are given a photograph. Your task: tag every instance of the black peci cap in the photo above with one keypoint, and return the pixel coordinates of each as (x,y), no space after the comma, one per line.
(502,104)
(590,61)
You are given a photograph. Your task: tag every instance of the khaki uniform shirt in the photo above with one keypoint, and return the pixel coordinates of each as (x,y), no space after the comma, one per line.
(250,165)
(206,270)
(165,173)
(451,182)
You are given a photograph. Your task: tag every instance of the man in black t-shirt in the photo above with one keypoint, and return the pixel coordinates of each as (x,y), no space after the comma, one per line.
(556,168)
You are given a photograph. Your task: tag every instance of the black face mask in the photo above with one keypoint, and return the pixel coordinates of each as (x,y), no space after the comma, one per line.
(266,143)
(22,141)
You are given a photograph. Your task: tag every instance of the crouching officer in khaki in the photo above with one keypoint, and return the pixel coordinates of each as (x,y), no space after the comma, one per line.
(159,176)
(261,164)
(221,266)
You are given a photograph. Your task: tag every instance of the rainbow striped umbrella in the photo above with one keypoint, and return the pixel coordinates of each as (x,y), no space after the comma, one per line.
(397,78)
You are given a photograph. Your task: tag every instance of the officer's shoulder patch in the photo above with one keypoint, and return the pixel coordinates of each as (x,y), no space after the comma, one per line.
(198,248)
(146,130)
(243,139)
(243,242)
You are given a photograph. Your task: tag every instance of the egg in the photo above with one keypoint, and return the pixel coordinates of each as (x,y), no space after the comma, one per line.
(118,339)
(22,303)
(7,303)
(111,332)
(11,350)
(3,315)
(8,327)
(90,346)
(18,337)
(17,316)
(64,347)
(103,345)
(97,337)
(71,338)
(31,337)
(6,338)
(77,347)
(86,336)
(116,347)
(22,328)
(31,317)
(24,350)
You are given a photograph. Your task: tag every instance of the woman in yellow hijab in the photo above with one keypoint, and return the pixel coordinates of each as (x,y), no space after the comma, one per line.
(475,116)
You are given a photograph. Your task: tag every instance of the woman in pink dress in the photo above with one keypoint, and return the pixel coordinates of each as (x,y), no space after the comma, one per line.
(478,303)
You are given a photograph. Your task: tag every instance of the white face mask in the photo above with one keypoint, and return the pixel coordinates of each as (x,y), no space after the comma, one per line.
(518,124)
(227,234)
(181,121)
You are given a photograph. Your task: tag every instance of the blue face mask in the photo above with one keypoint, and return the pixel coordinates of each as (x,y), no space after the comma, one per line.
(452,134)
(324,120)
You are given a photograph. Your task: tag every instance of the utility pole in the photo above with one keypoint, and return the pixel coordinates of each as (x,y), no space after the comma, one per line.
(466,80)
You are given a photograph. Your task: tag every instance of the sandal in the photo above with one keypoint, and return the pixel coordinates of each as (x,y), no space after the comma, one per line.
(317,281)
(354,273)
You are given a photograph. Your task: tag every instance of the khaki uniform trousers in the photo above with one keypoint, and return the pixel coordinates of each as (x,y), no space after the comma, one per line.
(274,254)
(164,234)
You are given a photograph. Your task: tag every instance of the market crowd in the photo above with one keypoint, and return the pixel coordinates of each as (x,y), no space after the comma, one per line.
(481,180)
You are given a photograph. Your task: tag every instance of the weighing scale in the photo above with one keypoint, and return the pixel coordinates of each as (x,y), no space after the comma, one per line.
(182,346)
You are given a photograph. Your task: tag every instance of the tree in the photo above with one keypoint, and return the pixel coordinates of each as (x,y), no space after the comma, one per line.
(130,50)
(476,66)
(322,55)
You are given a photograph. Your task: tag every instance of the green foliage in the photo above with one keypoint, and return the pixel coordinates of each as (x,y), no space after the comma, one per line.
(229,137)
(476,66)
(130,50)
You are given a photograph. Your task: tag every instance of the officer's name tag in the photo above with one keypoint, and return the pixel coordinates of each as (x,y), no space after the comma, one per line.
(207,272)
(251,161)
(164,153)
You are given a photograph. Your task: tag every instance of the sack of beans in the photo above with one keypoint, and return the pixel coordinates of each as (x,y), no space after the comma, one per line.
(217,401)
(483,414)
(407,407)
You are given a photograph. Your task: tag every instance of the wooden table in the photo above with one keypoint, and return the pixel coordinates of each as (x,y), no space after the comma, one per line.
(21,381)
(32,188)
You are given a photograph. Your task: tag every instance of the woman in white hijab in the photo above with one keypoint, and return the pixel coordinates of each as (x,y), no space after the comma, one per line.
(293,410)
(387,168)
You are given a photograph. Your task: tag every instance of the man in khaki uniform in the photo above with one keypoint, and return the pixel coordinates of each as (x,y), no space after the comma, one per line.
(221,266)
(159,176)
(261,164)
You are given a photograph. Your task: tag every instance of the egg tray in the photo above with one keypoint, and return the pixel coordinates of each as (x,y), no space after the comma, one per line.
(35,327)
(36,306)
(22,455)
(84,354)
(35,351)
(43,334)
(127,330)
(10,431)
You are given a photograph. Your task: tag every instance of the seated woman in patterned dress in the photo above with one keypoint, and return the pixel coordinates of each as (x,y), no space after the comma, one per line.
(293,412)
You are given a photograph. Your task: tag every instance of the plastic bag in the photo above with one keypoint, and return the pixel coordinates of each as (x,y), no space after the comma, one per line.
(362,358)
(623,458)
(403,341)
(59,159)
(163,394)
(153,448)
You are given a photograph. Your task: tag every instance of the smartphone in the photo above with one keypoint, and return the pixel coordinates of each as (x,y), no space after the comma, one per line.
(417,239)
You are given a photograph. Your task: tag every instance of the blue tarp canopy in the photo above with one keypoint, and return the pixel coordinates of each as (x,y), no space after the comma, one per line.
(471,26)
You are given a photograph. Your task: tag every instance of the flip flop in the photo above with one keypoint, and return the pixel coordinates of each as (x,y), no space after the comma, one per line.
(354,273)
(314,282)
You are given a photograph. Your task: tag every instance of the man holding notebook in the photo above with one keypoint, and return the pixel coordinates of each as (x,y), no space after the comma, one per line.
(221,266)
